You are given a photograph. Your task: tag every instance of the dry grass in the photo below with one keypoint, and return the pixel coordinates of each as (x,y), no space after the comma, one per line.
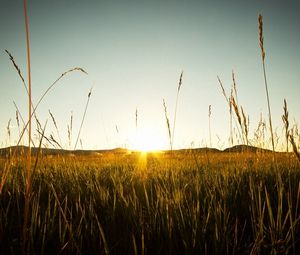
(263,54)
(167,123)
(209,125)
(28,172)
(176,105)
(171,203)
(285,119)
(234,203)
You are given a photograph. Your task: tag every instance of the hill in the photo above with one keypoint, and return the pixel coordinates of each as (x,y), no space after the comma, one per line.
(245,148)
(19,150)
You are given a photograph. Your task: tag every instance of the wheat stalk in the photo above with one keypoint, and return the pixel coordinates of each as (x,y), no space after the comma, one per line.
(263,54)
(228,100)
(55,125)
(209,125)
(70,128)
(285,119)
(223,91)
(245,125)
(234,87)
(18,70)
(230,112)
(236,110)
(51,138)
(175,114)
(18,121)
(261,36)
(167,123)
(28,177)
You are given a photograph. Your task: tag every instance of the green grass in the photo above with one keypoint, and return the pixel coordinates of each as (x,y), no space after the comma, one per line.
(180,203)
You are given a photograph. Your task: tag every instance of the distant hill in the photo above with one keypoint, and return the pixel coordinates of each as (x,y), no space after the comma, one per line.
(199,150)
(4,152)
(245,148)
(236,149)
(19,150)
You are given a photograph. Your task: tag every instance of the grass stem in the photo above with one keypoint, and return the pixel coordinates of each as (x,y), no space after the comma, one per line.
(263,54)
(27,176)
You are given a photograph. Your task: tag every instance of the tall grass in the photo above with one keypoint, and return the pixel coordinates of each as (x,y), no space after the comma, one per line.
(176,105)
(167,124)
(172,134)
(28,174)
(285,119)
(90,204)
(171,203)
(241,121)
(263,54)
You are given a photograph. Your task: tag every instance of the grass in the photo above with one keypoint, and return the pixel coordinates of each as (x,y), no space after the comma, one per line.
(263,55)
(176,105)
(166,205)
(28,174)
(177,202)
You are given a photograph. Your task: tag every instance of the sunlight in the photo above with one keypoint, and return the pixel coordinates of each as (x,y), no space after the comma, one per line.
(147,140)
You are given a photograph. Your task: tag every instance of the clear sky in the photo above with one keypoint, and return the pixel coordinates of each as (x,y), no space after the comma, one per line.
(134,52)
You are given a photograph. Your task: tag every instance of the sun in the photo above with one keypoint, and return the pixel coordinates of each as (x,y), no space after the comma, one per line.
(147,140)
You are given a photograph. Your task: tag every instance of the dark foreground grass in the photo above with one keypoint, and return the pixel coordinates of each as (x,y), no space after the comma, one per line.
(179,203)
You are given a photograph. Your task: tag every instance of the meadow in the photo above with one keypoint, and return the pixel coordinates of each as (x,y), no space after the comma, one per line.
(189,201)
(180,202)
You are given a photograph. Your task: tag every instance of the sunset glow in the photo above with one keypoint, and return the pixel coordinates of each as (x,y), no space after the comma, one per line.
(147,140)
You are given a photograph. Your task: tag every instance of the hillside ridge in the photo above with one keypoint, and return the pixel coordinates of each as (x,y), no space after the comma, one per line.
(52,151)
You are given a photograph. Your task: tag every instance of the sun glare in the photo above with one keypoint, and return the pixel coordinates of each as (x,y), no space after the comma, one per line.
(147,140)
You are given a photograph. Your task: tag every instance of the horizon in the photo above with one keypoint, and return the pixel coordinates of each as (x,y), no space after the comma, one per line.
(237,148)
(134,53)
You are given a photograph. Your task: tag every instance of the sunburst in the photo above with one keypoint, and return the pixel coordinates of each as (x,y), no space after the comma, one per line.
(147,140)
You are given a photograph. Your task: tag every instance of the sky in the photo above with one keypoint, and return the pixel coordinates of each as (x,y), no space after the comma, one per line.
(134,52)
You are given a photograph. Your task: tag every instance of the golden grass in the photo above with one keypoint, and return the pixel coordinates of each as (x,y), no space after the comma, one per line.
(167,123)
(28,173)
(285,119)
(220,202)
(263,54)
(176,105)
(183,202)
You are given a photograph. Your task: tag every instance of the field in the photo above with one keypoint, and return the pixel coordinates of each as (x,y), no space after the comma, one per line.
(180,202)
(243,200)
